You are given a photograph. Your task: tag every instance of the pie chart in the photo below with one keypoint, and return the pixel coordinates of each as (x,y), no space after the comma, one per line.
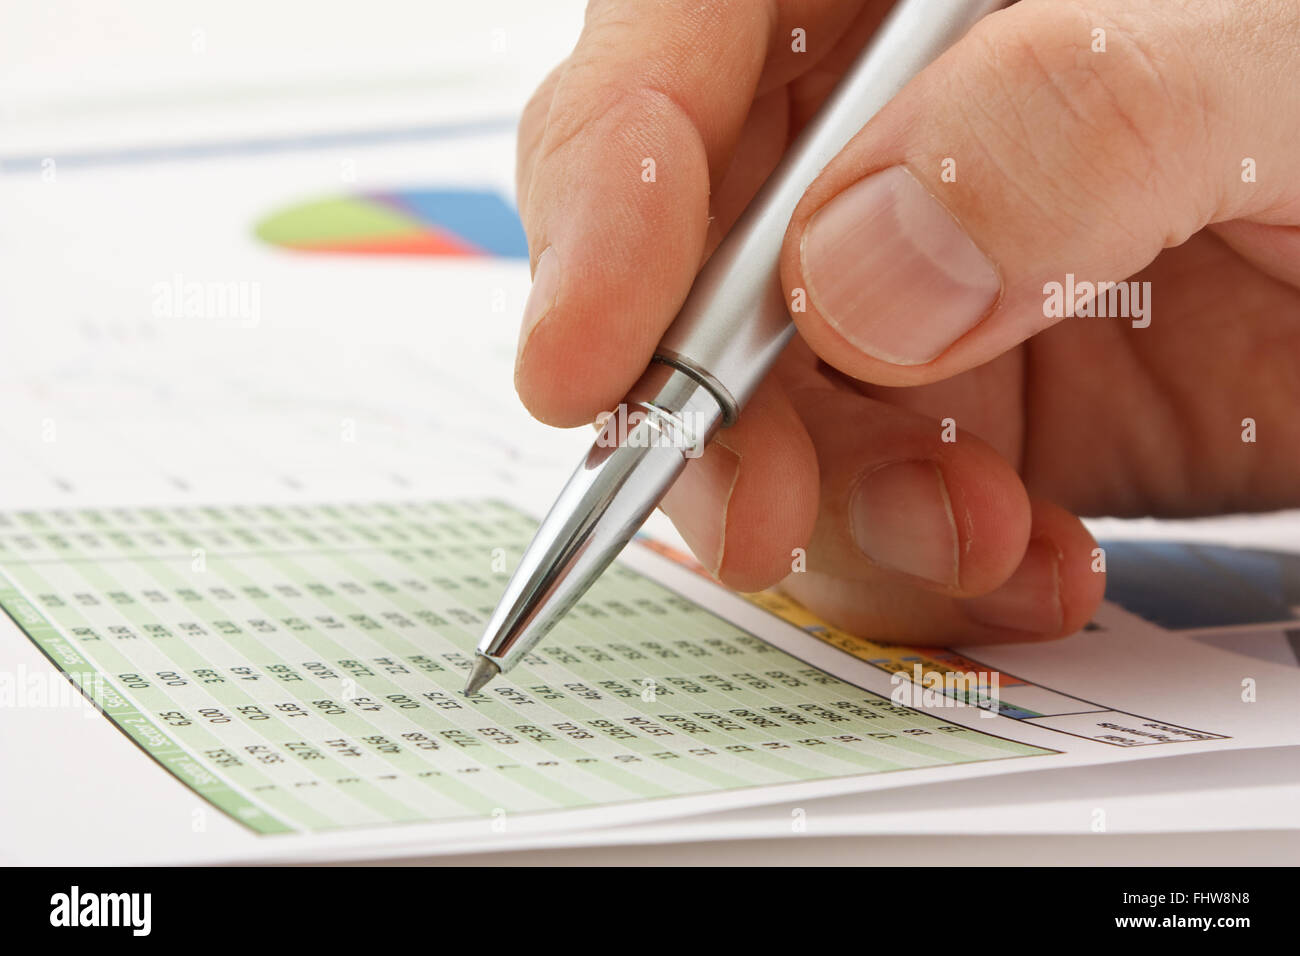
(409,222)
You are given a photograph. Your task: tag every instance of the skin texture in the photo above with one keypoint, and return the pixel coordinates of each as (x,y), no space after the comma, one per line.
(1126,163)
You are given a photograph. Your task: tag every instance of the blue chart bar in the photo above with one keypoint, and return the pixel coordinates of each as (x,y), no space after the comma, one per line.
(1183,586)
(480,217)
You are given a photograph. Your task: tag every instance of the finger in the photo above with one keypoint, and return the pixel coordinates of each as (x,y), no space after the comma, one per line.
(904,499)
(1273,248)
(760,147)
(1026,154)
(750,500)
(532,125)
(1055,589)
(617,202)
(1052,593)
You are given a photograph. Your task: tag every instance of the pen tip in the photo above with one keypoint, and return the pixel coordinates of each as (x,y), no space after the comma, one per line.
(484,670)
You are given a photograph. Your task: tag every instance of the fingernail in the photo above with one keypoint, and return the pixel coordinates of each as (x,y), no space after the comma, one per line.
(1031,598)
(546,285)
(889,267)
(901,518)
(697,503)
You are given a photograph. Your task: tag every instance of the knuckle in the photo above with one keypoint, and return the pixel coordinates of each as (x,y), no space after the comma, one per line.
(625,115)
(539,104)
(589,84)
(532,127)
(587,96)
(1118,116)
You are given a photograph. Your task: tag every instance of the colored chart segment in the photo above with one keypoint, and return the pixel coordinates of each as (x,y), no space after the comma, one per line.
(1181,586)
(416,222)
(956,675)
(937,671)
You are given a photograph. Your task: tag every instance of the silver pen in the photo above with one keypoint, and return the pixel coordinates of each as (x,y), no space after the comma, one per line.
(730,331)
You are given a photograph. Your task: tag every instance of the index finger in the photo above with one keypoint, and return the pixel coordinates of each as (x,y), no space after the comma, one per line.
(614,193)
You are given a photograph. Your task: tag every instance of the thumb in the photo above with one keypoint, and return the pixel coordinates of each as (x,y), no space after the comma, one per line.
(1056,146)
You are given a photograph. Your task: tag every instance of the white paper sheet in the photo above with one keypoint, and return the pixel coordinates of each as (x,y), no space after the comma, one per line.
(389,379)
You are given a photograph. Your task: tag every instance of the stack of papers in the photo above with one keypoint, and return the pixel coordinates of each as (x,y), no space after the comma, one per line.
(265,476)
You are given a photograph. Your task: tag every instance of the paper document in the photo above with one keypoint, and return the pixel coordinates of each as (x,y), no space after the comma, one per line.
(264,477)
(299,669)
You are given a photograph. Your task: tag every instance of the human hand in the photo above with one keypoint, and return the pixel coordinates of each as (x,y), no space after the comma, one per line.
(1168,152)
